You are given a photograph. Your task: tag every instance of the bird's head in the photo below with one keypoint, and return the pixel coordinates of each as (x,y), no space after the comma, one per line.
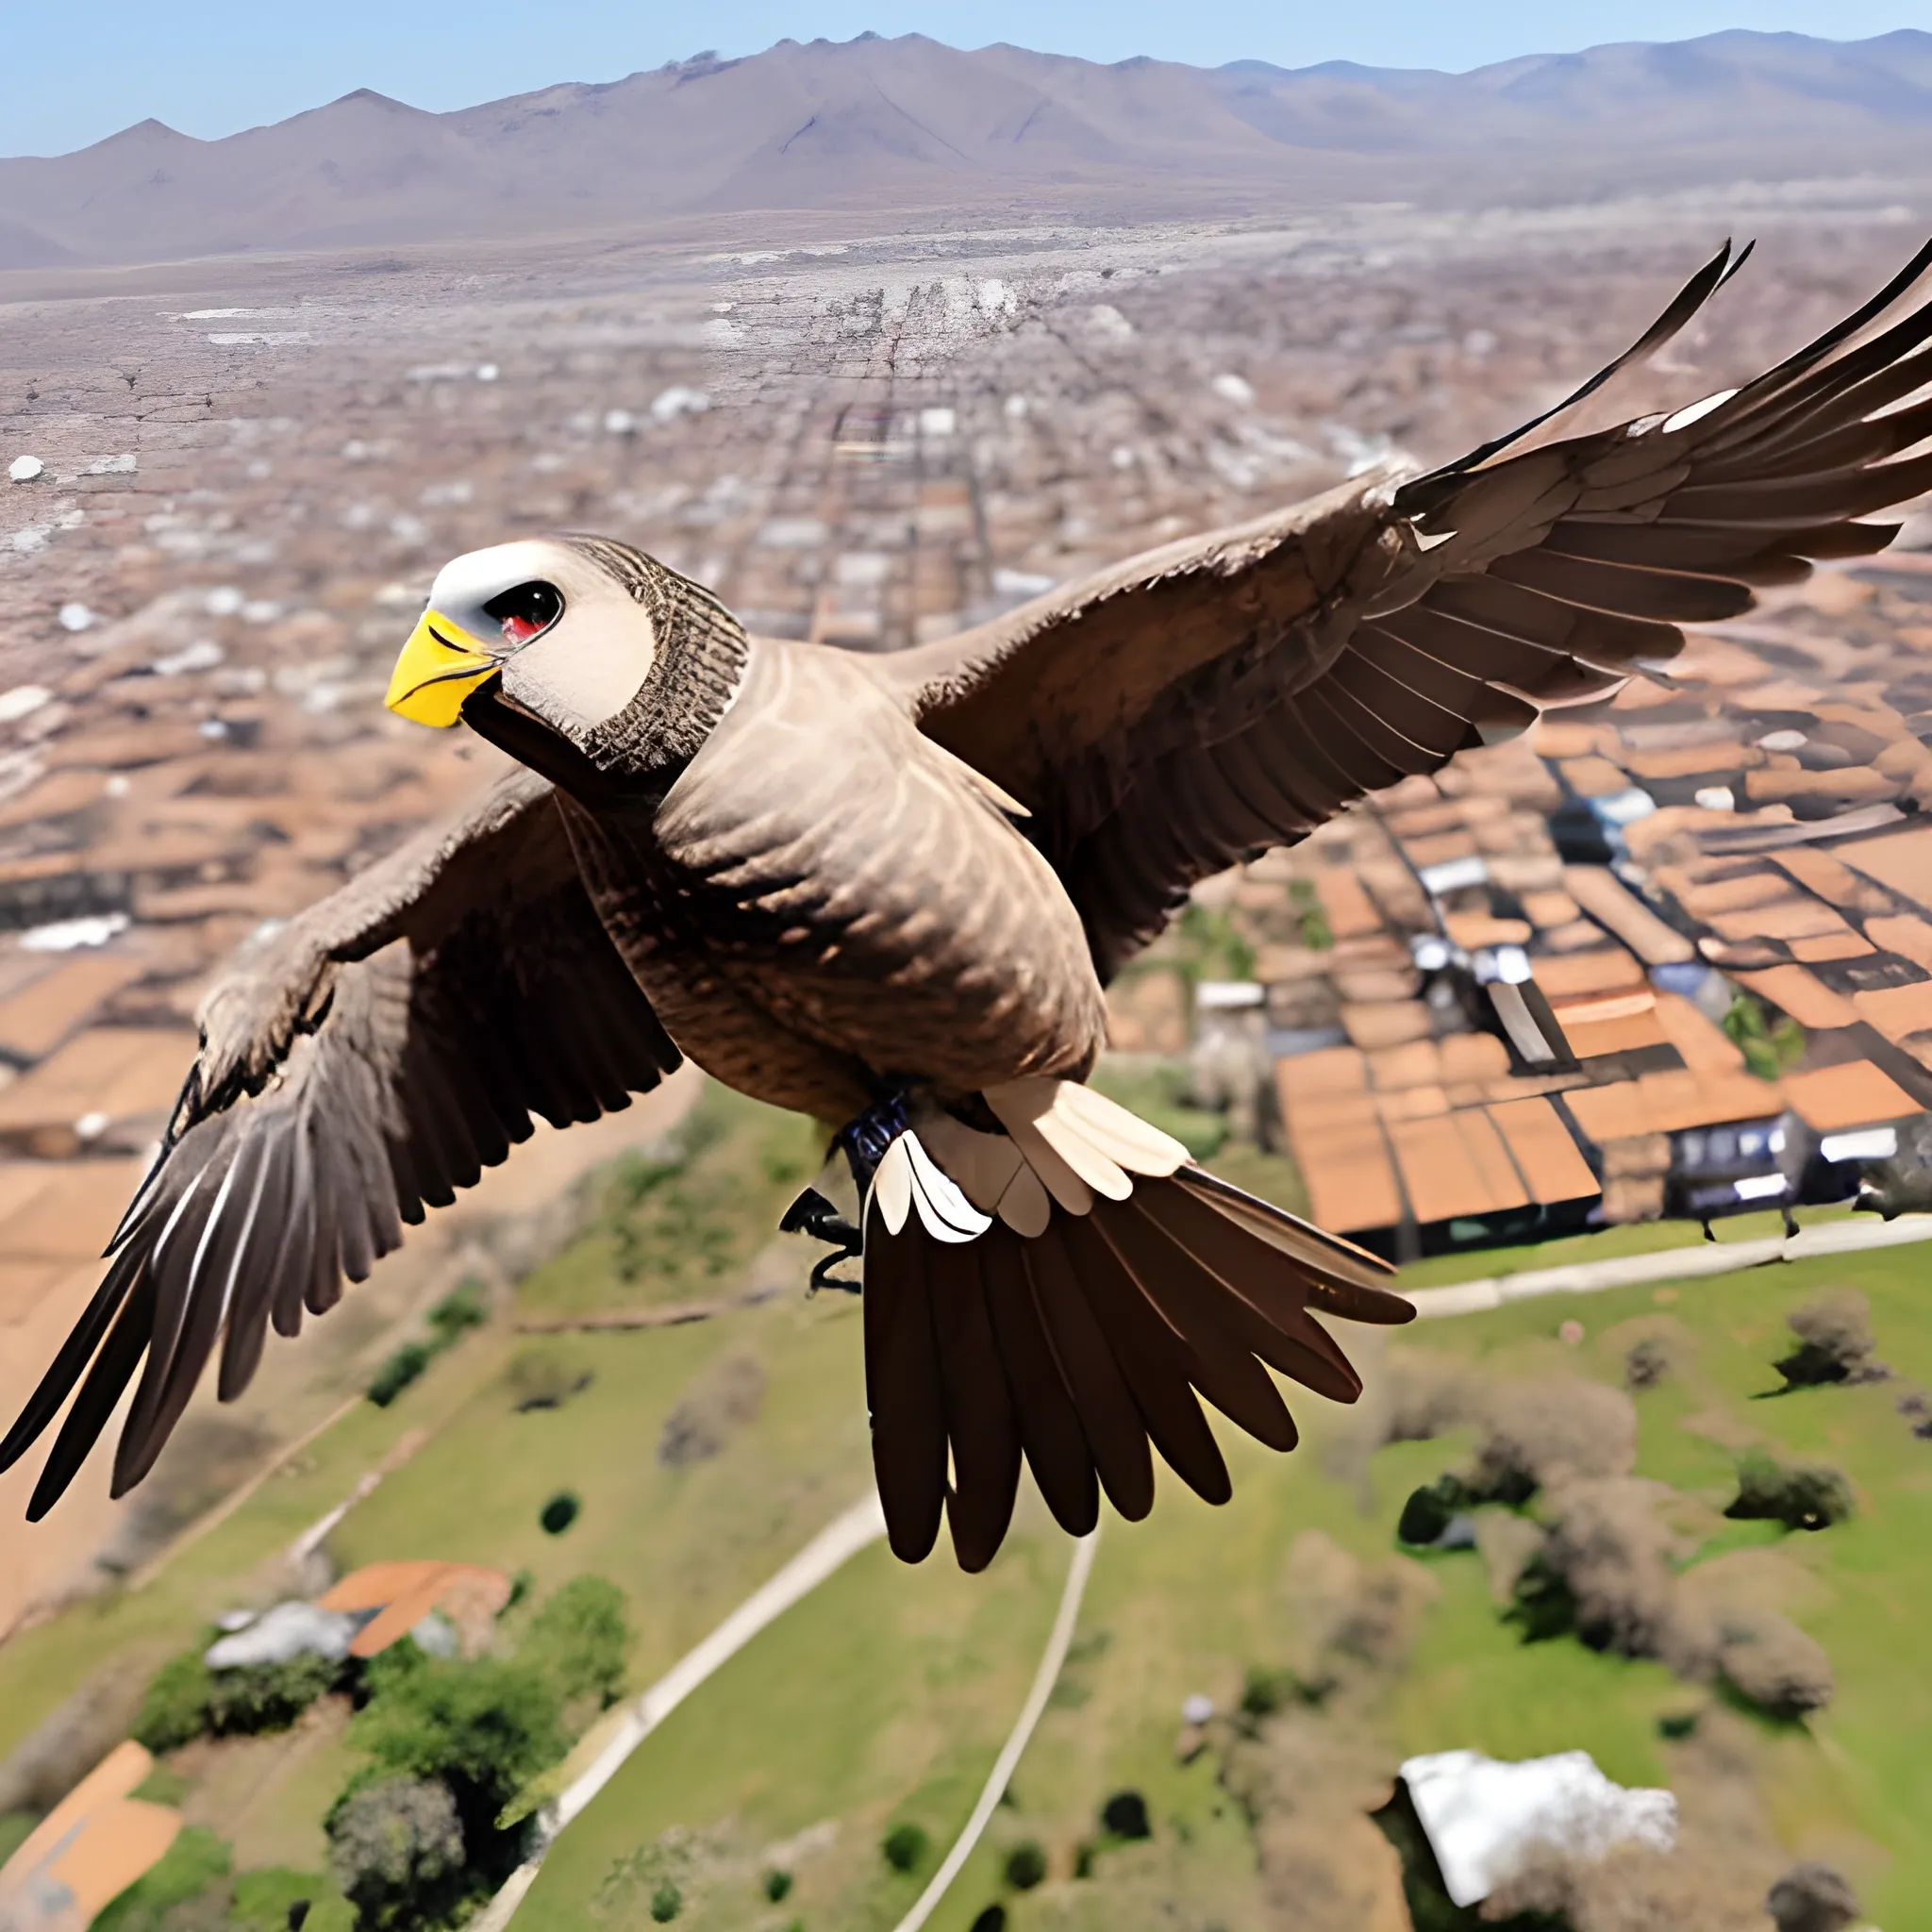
(575,653)
(566,637)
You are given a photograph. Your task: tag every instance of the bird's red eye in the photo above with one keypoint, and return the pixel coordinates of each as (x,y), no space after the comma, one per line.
(525,611)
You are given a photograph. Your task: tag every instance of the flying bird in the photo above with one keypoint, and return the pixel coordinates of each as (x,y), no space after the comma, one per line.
(887,892)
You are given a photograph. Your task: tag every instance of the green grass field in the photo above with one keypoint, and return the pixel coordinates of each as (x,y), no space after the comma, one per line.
(883,1698)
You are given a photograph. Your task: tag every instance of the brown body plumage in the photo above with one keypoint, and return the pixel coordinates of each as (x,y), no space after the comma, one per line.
(887,892)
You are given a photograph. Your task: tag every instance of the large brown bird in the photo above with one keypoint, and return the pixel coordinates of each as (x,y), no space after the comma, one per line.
(887,892)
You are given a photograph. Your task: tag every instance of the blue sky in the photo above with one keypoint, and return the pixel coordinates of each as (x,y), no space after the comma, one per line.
(75,71)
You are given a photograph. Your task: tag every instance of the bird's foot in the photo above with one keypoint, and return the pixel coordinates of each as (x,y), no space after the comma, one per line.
(813,1215)
(866,1137)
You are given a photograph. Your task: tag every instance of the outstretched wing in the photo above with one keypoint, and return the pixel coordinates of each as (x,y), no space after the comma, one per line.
(360,1064)
(1204,702)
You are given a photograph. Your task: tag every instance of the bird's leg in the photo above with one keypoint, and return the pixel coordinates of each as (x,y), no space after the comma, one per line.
(865,1139)
(812,1214)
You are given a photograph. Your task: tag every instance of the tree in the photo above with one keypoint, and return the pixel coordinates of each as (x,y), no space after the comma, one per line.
(482,1727)
(580,1639)
(396,1849)
(174,1709)
(905,1846)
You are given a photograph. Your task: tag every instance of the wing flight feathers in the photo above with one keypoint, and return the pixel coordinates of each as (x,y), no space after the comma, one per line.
(364,1063)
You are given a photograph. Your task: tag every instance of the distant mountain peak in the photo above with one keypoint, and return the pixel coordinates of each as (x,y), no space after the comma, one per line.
(878,122)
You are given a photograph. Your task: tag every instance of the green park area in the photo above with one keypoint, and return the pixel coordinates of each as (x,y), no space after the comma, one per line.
(813,1784)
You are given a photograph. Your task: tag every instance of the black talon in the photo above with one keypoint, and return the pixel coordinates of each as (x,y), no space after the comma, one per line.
(813,1215)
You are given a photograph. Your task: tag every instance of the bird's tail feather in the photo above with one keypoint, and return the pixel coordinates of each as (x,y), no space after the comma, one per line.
(1061,1292)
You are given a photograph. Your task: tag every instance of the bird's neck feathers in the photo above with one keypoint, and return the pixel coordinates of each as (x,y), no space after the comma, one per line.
(634,757)
(698,662)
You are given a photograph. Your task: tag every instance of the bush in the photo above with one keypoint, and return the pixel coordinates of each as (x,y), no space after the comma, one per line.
(1812,1898)
(560,1511)
(666,1903)
(1264,1692)
(1430,1510)
(993,1919)
(1779,1669)
(396,1850)
(1800,1496)
(1125,1815)
(1536,1433)
(483,1728)
(1026,1865)
(545,1377)
(464,1307)
(398,1371)
(1540,1603)
(1648,1364)
(905,1846)
(1835,1341)
(174,1709)
(580,1638)
(267,1697)
(777,1885)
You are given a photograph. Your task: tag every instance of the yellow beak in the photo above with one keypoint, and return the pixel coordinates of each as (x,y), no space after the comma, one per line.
(440,667)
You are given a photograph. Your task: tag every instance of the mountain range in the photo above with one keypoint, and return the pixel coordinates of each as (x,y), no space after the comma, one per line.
(907,122)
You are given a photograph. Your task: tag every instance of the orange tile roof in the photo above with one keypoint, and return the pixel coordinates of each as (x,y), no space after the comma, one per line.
(1703,1044)
(1441,1173)
(1902,860)
(1795,917)
(1670,1102)
(1474,1056)
(1411,1102)
(1802,994)
(1417,1063)
(34,1020)
(1897,1011)
(1351,911)
(93,1845)
(1549,907)
(1856,1094)
(1472,931)
(1551,1164)
(1831,945)
(1577,975)
(1385,1023)
(1351,1184)
(402,1594)
(1591,1036)
(1594,777)
(1328,1070)
(1907,935)
(1826,875)
(1737,893)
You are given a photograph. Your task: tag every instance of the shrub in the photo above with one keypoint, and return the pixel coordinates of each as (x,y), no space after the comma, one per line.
(666,1903)
(1264,1692)
(1647,1362)
(905,1846)
(267,1697)
(174,1709)
(464,1307)
(1026,1865)
(1540,1603)
(1536,1433)
(718,1403)
(1835,1341)
(560,1511)
(396,1850)
(1800,1496)
(580,1638)
(993,1919)
(1125,1815)
(398,1371)
(1430,1509)
(544,1378)
(1812,1898)
(778,1884)
(1779,1669)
